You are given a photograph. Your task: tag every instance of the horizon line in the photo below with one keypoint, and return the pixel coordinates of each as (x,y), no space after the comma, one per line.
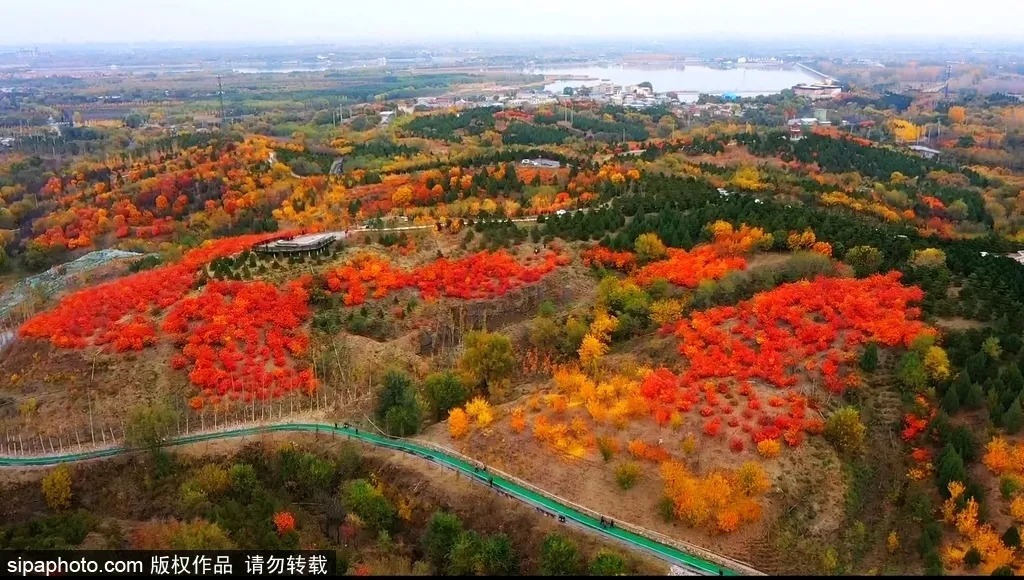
(715,37)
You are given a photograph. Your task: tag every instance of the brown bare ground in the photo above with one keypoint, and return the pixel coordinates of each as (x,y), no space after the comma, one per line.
(957,323)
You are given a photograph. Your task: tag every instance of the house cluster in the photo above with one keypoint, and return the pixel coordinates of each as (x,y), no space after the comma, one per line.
(713,110)
(798,126)
(541,163)
(519,99)
(630,96)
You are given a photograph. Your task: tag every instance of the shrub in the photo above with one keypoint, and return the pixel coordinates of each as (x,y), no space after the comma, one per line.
(627,474)
(442,532)
(559,556)
(397,407)
(57,488)
(327,321)
(191,495)
(1008,486)
(769,448)
(972,558)
(498,558)
(1011,537)
(608,447)
(446,392)
(464,558)
(213,479)
(845,430)
(667,509)
(244,481)
(284,522)
(369,504)
(608,563)
(458,423)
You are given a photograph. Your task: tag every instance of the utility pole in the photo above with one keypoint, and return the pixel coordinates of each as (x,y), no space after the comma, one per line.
(220,92)
(949,70)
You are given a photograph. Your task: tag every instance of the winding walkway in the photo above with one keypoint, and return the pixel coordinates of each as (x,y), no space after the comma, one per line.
(691,559)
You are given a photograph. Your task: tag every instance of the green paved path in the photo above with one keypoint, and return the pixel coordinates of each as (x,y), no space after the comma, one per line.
(689,562)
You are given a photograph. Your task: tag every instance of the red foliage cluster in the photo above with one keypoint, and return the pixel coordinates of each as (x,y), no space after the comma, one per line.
(120,313)
(933,203)
(916,422)
(649,451)
(512,115)
(602,256)
(773,337)
(479,276)
(482,275)
(284,522)
(239,338)
(743,413)
(809,325)
(684,268)
(365,273)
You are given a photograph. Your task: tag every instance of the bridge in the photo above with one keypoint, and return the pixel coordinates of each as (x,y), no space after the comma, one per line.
(824,77)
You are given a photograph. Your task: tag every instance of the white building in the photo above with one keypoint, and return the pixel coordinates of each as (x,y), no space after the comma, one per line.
(926,152)
(817,92)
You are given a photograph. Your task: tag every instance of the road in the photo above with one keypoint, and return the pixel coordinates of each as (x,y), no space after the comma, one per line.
(662,547)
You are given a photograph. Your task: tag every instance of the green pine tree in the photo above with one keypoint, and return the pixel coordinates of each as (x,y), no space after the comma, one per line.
(975,396)
(951,402)
(1013,418)
(869,360)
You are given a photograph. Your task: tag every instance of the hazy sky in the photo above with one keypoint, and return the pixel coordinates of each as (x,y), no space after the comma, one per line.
(28,22)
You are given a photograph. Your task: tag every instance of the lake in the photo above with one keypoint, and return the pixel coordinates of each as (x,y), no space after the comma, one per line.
(746,82)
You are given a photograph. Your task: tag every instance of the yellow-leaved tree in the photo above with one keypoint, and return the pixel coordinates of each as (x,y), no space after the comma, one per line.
(667,311)
(928,258)
(803,241)
(747,177)
(958,115)
(936,363)
(57,488)
(904,130)
(402,196)
(591,350)
(603,326)
(649,247)
(458,423)
(481,411)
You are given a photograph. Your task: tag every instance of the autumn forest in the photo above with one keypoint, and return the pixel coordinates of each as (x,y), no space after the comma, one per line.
(800,352)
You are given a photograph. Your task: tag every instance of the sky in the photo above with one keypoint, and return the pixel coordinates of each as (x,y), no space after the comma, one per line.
(40,22)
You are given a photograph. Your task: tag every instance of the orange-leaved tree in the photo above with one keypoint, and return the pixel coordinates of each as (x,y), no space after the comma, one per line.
(284,522)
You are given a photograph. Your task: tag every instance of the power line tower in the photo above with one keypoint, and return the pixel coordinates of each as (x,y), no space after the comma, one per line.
(220,93)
